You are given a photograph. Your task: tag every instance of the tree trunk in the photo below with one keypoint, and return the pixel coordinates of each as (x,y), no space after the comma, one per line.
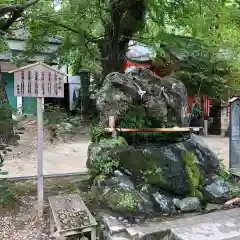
(6,127)
(127,17)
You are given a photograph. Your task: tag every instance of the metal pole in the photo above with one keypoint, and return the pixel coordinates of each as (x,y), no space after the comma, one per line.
(40,155)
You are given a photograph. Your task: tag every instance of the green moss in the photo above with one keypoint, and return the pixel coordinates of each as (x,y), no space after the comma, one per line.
(235,191)
(194,175)
(152,174)
(124,201)
(105,159)
(112,142)
(127,201)
(104,163)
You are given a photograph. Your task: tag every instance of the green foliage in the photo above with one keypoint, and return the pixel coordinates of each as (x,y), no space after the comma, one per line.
(104,164)
(224,173)
(127,201)
(152,173)
(7,124)
(134,118)
(193,172)
(54,114)
(200,34)
(235,191)
(112,142)
(137,118)
(5,194)
(96,131)
(104,161)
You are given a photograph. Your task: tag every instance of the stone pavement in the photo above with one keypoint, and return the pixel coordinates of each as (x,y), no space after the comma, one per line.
(220,225)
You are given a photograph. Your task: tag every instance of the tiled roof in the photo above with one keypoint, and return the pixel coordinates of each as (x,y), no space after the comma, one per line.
(6,56)
(22,34)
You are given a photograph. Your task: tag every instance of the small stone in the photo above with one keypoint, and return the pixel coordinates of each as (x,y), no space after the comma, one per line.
(217,192)
(125,221)
(128,224)
(137,220)
(187,204)
(176,202)
(212,207)
(121,218)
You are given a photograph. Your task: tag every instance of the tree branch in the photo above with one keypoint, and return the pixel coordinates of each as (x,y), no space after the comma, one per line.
(88,37)
(16,10)
(17,7)
(9,22)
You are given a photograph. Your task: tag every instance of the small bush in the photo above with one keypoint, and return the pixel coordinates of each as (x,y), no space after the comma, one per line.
(54,115)
(96,131)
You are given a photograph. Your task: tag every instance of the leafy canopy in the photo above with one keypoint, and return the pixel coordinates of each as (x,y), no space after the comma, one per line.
(81,25)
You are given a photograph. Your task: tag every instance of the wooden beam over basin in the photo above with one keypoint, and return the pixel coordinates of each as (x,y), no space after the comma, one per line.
(180,129)
(112,128)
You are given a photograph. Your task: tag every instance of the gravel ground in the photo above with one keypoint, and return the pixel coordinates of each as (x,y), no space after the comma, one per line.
(18,218)
(24,225)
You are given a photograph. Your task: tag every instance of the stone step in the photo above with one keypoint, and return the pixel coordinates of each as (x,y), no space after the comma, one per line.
(221,225)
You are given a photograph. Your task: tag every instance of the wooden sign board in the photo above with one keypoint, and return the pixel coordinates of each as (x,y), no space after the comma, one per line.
(38,80)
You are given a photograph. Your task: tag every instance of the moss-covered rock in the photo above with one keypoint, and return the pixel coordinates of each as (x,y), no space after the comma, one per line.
(195,178)
(119,195)
(179,168)
(103,157)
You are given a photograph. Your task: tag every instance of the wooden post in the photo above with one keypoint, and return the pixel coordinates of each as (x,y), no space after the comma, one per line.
(205,127)
(40,156)
(112,125)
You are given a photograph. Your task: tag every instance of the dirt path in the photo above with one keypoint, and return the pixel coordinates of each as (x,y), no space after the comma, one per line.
(220,145)
(59,157)
(63,158)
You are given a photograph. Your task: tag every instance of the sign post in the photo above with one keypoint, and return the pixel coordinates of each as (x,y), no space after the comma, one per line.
(234,140)
(39,80)
(40,142)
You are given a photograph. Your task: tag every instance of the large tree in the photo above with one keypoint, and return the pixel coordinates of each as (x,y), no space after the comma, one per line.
(95,34)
